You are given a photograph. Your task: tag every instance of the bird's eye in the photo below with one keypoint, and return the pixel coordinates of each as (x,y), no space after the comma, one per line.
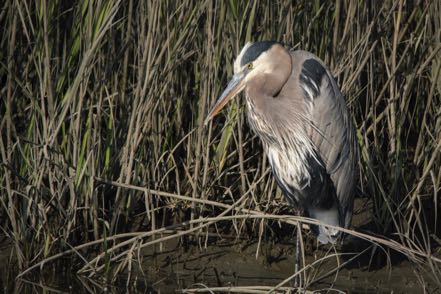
(250,65)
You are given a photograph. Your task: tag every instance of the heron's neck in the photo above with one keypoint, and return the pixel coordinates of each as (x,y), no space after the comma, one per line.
(277,119)
(267,85)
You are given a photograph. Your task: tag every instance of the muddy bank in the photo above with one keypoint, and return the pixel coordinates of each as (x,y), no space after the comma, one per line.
(224,260)
(229,263)
(235,264)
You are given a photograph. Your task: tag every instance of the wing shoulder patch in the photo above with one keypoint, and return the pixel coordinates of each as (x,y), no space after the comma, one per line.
(311,78)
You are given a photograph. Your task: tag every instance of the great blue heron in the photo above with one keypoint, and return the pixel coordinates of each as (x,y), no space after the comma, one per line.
(297,110)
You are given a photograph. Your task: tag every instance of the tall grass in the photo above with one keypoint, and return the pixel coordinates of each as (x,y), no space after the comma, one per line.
(102,107)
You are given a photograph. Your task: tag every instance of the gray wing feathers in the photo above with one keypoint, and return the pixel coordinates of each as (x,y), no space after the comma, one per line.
(335,139)
(331,129)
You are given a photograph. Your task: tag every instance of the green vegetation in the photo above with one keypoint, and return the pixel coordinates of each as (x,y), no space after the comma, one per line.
(102,143)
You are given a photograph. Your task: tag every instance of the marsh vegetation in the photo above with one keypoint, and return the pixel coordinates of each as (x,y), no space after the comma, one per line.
(104,156)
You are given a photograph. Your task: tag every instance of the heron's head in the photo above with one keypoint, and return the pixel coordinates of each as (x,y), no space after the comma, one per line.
(263,66)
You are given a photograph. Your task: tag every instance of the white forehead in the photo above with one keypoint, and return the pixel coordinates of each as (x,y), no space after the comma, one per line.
(239,57)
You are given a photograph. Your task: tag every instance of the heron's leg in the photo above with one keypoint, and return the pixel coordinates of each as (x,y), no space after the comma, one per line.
(297,259)
(297,280)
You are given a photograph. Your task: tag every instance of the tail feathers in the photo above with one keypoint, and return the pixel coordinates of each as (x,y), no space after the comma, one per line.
(330,217)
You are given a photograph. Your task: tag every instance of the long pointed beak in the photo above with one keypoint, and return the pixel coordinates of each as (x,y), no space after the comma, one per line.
(234,87)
